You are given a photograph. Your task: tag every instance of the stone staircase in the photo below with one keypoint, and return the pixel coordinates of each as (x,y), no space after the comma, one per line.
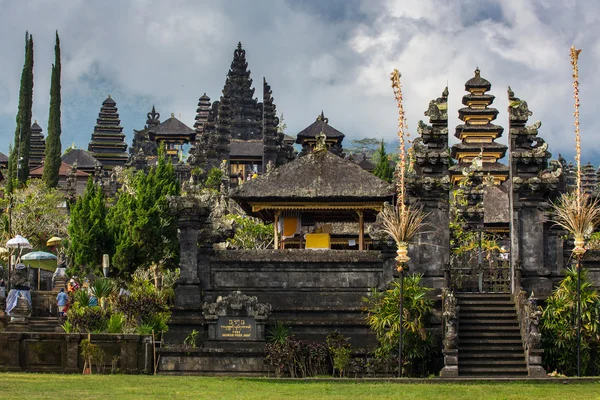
(44,324)
(490,343)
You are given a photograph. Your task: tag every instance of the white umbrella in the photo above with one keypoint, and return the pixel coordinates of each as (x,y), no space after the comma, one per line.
(18,242)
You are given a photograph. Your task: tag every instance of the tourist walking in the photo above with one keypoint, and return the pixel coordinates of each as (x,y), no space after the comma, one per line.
(62,300)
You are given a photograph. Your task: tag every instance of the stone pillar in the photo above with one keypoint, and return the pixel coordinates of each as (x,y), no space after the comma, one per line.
(532,249)
(71,364)
(191,214)
(14,350)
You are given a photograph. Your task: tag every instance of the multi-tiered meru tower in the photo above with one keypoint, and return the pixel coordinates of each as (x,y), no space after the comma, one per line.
(108,141)
(478,133)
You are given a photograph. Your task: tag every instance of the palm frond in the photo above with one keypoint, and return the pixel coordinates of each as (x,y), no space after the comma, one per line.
(402,223)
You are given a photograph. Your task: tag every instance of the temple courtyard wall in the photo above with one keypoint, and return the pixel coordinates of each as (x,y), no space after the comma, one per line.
(61,352)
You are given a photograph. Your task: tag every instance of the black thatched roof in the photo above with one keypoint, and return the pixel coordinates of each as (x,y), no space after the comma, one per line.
(172,127)
(320,125)
(3,158)
(478,82)
(246,148)
(361,159)
(109,101)
(84,159)
(318,176)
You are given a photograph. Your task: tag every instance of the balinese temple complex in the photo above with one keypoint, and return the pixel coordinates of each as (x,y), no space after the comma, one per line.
(244,132)
(37,146)
(108,140)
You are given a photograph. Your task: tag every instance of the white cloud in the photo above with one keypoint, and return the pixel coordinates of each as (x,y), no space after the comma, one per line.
(170,53)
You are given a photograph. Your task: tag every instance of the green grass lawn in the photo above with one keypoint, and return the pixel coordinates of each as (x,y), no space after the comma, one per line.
(125,387)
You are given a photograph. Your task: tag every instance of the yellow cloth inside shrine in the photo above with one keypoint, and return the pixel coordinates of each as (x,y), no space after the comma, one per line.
(318,241)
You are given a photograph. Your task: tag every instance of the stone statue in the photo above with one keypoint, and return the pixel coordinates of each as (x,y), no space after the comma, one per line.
(451,317)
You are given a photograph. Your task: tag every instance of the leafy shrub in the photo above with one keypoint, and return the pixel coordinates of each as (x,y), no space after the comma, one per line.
(278,333)
(87,319)
(383,318)
(213,180)
(297,358)
(144,302)
(82,297)
(190,340)
(67,327)
(339,349)
(92,353)
(116,323)
(250,233)
(559,327)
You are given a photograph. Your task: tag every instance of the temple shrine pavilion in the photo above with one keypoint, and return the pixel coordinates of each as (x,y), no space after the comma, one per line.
(304,197)
(307,137)
(173,134)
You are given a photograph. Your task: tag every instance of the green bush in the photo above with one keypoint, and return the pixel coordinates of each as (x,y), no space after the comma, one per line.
(213,180)
(384,319)
(82,297)
(143,304)
(87,319)
(116,323)
(250,233)
(559,327)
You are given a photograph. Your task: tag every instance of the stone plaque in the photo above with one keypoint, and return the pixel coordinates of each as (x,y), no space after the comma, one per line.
(236,328)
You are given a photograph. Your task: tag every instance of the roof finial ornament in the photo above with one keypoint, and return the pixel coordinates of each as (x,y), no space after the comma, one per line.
(321,142)
(322,118)
(109,96)
(477,72)
(172,115)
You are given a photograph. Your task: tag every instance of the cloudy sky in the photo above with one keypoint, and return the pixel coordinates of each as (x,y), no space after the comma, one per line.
(331,55)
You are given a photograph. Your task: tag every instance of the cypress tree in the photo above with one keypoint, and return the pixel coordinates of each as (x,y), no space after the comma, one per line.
(383,170)
(87,229)
(19,169)
(141,226)
(53,145)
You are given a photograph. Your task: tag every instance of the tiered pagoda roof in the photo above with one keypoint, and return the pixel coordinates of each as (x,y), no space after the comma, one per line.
(478,134)
(202,112)
(37,146)
(588,178)
(108,141)
(307,137)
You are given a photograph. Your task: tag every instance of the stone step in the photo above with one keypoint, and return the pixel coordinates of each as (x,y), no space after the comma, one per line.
(459,295)
(486,309)
(495,372)
(482,349)
(485,327)
(488,321)
(487,334)
(491,341)
(485,315)
(487,363)
(507,303)
(496,355)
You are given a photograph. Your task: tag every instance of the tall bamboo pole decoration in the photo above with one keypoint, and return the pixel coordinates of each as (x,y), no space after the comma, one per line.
(574,59)
(401,166)
(402,257)
(579,241)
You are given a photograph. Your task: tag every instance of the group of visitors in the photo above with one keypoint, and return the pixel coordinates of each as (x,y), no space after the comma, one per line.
(64,299)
